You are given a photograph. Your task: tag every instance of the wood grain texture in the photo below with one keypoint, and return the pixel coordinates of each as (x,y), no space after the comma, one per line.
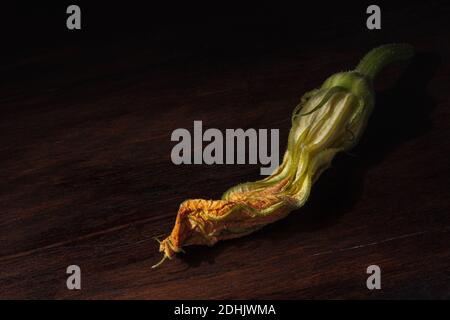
(86,176)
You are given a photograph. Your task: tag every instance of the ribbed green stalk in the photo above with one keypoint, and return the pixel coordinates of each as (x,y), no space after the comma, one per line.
(380,57)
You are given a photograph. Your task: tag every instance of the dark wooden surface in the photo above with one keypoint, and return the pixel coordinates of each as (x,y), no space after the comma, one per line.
(86,176)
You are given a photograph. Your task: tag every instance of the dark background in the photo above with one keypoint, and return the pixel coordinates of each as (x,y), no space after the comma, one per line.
(85,171)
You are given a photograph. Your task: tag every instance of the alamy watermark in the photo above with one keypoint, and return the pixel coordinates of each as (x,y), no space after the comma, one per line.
(236,146)
(73,21)
(73,281)
(373,22)
(374,280)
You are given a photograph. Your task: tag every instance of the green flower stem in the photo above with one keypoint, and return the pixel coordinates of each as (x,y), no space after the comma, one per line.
(374,61)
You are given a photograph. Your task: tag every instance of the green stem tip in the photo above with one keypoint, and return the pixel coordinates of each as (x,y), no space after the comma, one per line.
(378,58)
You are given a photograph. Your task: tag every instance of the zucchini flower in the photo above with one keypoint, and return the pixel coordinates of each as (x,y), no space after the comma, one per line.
(327,120)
